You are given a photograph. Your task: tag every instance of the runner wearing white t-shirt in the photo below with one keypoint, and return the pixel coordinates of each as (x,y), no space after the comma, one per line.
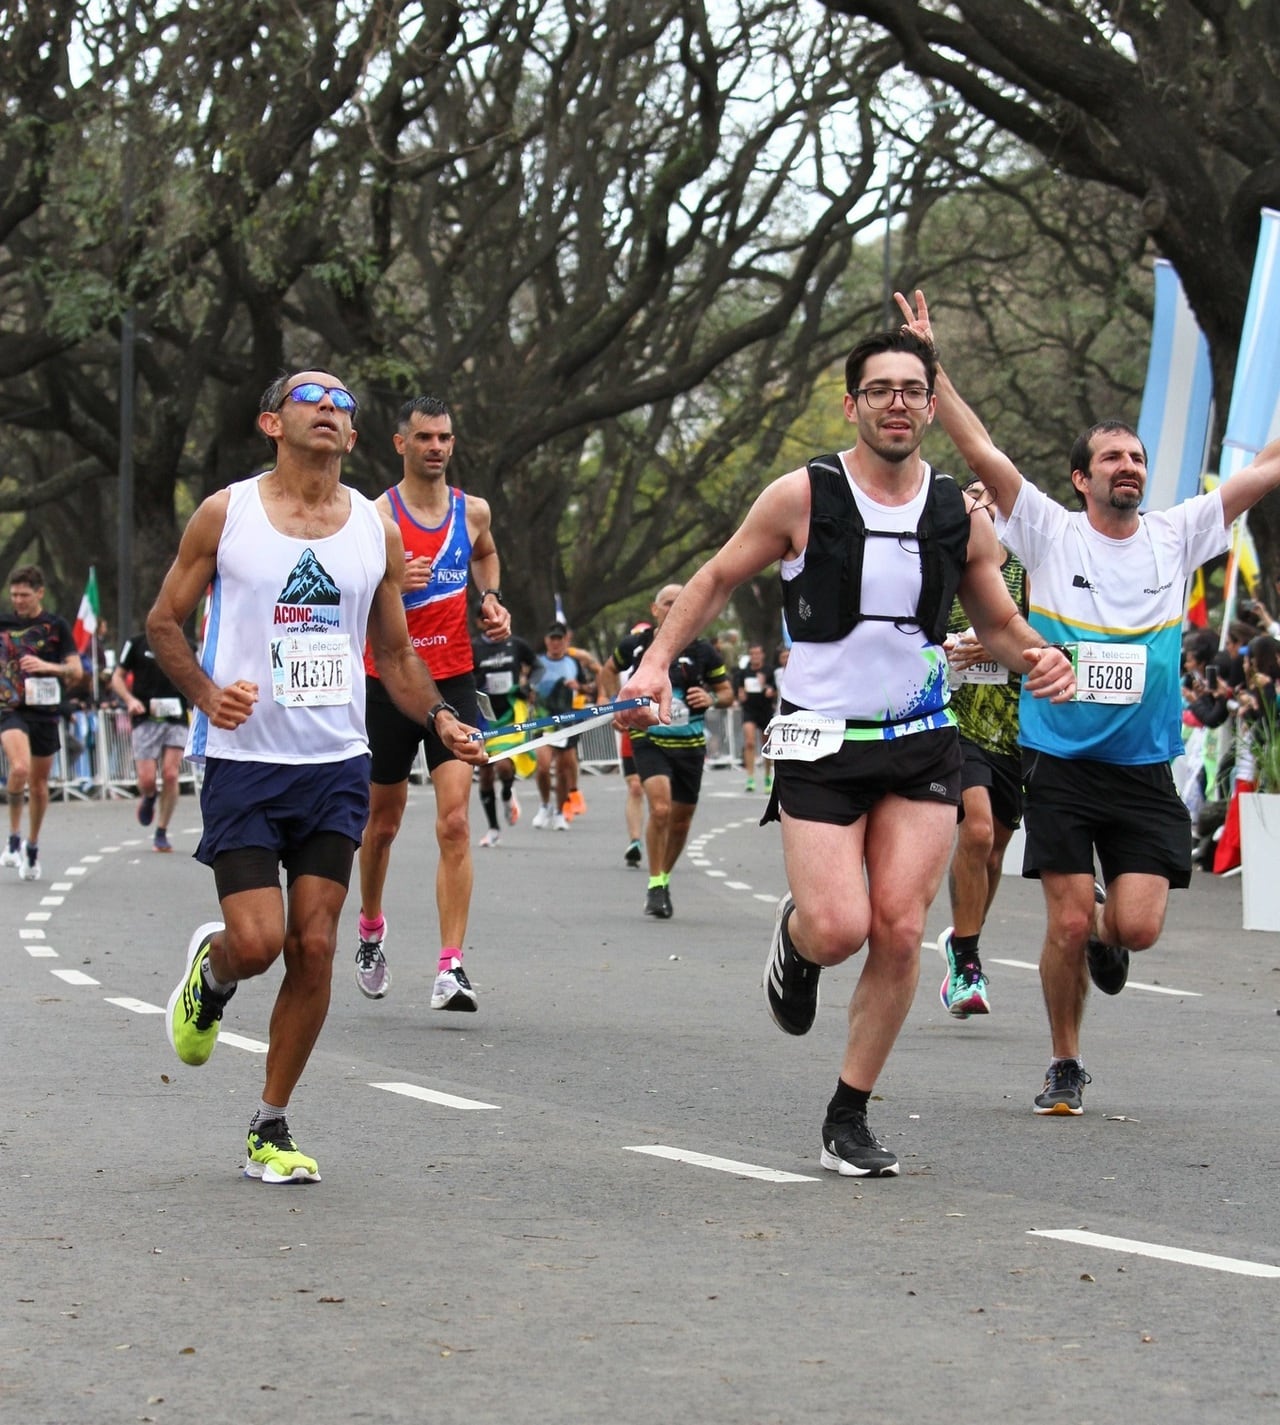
(1109,583)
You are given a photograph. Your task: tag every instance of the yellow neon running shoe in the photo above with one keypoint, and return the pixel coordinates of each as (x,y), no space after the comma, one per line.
(194,1010)
(273,1156)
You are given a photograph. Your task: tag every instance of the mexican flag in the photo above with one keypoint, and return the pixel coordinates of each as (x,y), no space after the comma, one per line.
(86,624)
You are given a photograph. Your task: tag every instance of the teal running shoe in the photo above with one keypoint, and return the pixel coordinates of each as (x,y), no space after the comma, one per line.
(964,990)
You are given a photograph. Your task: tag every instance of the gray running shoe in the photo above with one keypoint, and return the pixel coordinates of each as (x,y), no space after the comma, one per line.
(373,976)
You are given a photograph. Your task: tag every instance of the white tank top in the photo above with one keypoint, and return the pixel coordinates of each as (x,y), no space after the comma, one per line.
(879,671)
(290,615)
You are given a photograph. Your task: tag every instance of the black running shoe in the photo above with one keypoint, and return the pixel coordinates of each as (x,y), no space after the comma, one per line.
(790,981)
(851,1149)
(1063,1082)
(657,903)
(1108,966)
(633,854)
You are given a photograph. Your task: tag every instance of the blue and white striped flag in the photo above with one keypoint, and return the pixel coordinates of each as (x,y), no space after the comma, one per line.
(1177,401)
(1254,417)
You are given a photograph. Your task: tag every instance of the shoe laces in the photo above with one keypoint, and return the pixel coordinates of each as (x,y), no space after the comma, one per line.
(854,1122)
(1067,1074)
(368,954)
(276,1132)
(969,976)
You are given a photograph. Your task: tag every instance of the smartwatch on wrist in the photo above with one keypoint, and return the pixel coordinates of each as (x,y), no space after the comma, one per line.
(497,594)
(436,710)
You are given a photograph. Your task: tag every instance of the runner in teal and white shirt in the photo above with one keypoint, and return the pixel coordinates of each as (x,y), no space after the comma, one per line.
(1109,583)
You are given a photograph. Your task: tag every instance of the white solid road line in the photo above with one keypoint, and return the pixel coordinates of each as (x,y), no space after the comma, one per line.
(721,1165)
(1130,985)
(446,1100)
(1162,1253)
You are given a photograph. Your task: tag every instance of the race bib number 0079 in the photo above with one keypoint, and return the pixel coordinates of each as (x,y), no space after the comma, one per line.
(1110,672)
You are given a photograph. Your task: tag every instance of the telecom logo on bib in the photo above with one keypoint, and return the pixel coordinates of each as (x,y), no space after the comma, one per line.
(309,601)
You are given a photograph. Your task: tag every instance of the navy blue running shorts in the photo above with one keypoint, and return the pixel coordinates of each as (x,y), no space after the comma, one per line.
(280,807)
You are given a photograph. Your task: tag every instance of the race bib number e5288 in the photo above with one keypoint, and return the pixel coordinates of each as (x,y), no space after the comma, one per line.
(311,670)
(1110,672)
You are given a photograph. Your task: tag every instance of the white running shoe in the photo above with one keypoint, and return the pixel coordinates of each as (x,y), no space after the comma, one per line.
(542,819)
(512,808)
(561,822)
(29,869)
(491,837)
(452,990)
(12,857)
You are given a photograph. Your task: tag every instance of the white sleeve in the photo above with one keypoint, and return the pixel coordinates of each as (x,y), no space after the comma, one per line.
(1034,527)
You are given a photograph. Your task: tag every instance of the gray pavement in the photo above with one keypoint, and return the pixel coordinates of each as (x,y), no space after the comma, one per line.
(497,1250)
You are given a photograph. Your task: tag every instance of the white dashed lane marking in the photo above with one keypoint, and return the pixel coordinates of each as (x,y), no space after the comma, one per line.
(446,1100)
(720,1165)
(1162,1253)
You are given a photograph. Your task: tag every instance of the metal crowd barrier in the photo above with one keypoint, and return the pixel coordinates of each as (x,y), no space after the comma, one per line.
(94,760)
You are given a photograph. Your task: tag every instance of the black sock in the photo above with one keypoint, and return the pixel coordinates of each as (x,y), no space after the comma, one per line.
(506,791)
(490,804)
(964,949)
(848,1099)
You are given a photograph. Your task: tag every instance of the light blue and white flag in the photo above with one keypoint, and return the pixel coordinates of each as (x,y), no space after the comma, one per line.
(1177,401)
(1254,416)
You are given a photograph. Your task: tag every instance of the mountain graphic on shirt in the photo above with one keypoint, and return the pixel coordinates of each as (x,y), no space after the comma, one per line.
(308,583)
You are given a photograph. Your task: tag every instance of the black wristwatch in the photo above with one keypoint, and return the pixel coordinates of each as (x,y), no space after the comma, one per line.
(434,712)
(497,594)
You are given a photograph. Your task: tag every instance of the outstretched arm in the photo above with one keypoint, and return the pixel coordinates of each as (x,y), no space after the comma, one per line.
(970,437)
(1246,487)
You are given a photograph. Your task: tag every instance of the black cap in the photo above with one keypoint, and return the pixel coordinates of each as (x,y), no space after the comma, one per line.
(558,628)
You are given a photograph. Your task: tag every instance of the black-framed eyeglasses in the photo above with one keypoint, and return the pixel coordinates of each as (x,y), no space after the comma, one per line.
(311,393)
(880,397)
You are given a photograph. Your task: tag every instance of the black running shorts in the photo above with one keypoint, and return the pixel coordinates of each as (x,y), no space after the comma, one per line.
(1132,816)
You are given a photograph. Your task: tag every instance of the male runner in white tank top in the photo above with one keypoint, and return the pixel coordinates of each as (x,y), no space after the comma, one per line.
(868,822)
(303,569)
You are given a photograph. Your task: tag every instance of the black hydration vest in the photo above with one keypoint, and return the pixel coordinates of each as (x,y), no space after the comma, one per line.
(823,602)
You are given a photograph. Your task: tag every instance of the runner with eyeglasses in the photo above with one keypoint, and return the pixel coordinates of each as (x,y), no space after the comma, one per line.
(873,545)
(304,569)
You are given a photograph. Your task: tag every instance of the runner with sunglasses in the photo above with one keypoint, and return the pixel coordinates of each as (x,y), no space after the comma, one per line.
(304,569)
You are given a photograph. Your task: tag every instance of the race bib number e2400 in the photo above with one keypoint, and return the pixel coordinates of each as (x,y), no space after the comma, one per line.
(1109,672)
(311,670)
(802,737)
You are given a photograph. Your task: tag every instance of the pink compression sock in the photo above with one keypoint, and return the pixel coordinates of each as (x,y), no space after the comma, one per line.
(372,929)
(448,955)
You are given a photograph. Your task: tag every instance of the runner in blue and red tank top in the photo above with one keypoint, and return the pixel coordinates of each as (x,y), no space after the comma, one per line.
(446,535)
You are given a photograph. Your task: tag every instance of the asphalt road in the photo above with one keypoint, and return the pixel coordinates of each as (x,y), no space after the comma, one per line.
(495,1238)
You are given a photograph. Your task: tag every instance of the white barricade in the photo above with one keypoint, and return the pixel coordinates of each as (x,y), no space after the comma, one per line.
(95,758)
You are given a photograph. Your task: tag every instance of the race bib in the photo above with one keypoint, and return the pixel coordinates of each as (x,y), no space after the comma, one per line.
(679,710)
(164,707)
(498,683)
(751,684)
(41,692)
(311,670)
(985,672)
(1109,672)
(802,737)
